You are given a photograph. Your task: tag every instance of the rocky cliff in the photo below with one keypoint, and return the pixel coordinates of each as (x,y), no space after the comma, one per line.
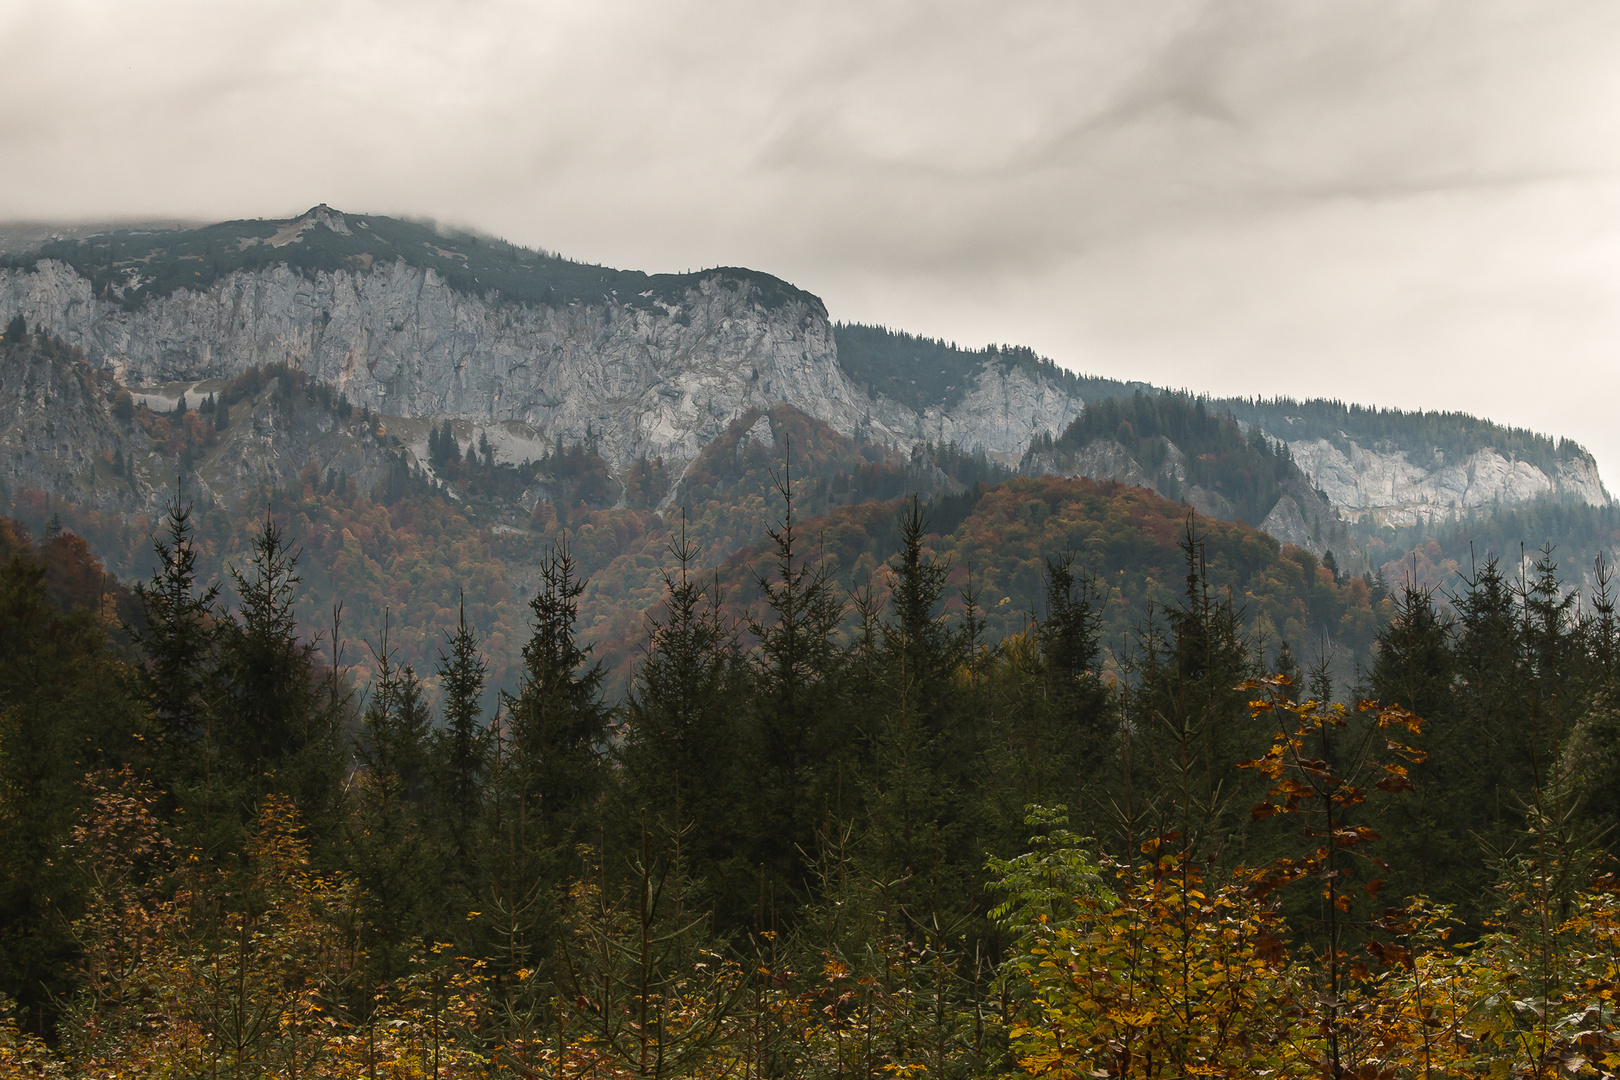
(655,375)
(1392,486)
(526,349)
(60,434)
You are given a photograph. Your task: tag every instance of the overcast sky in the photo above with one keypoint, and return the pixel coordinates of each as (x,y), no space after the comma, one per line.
(1412,203)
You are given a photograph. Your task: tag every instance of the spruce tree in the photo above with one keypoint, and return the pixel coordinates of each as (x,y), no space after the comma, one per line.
(1194,721)
(1491,744)
(462,750)
(1070,653)
(798,732)
(558,720)
(390,846)
(683,726)
(1428,846)
(272,698)
(1288,667)
(1591,760)
(176,640)
(927,754)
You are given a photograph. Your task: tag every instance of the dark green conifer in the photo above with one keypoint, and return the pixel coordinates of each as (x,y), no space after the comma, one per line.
(798,731)
(390,843)
(462,744)
(558,720)
(272,697)
(683,728)
(1070,651)
(1194,722)
(177,641)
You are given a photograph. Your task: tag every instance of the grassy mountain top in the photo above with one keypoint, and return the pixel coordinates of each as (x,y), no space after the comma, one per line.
(135,264)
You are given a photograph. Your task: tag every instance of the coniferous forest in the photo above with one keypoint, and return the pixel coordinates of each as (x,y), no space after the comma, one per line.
(846,834)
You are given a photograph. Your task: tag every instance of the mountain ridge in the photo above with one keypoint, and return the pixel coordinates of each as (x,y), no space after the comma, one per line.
(530,350)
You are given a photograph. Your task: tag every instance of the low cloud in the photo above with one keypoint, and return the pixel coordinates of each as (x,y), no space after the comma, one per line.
(1412,203)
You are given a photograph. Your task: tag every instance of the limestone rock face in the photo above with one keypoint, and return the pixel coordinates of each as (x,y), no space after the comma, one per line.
(660,382)
(59,435)
(1301,515)
(56,431)
(1287,524)
(1104,459)
(1006,407)
(1403,487)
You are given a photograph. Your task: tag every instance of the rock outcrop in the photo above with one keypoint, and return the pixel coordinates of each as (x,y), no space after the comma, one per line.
(637,379)
(1399,487)
(59,434)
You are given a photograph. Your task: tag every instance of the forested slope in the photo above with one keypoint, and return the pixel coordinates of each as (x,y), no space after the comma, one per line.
(772,849)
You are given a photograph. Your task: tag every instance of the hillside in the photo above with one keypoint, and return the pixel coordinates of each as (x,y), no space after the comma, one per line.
(406,321)
(1386,467)
(527,348)
(924,373)
(505,397)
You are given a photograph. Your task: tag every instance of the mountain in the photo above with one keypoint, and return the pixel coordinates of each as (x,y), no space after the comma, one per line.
(530,347)
(1381,471)
(1386,468)
(428,403)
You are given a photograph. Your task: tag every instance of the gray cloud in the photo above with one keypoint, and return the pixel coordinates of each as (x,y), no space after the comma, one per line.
(1410,202)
